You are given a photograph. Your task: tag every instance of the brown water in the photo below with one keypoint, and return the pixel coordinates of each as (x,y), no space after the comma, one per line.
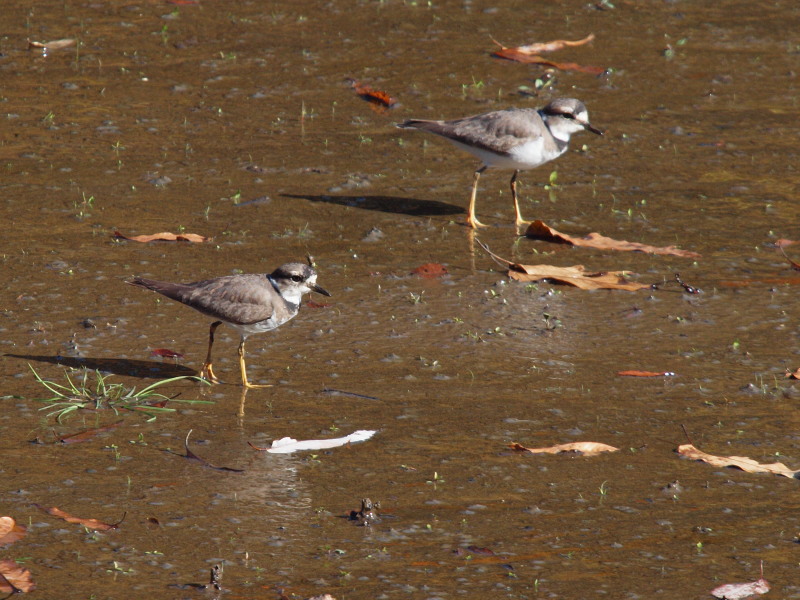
(234,120)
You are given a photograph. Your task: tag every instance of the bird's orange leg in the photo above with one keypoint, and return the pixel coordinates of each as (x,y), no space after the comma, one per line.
(207,372)
(519,220)
(243,367)
(472,220)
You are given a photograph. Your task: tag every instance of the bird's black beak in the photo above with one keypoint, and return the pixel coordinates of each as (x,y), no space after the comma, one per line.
(320,290)
(593,129)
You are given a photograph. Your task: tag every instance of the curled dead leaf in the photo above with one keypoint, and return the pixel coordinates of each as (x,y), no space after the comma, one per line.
(737,462)
(576,276)
(635,373)
(521,57)
(53,45)
(584,448)
(551,46)
(10,531)
(164,236)
(541,231)
(741,591)
(14,578)
(89,523)
(377,98)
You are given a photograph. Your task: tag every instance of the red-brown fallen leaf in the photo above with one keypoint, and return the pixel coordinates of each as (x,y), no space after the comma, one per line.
(737,462)
(740,283)
(741,591)
(646,373)
(88,434)
(552,46)
(90,523)
(585,448)
(541,231)
(522,57)
(575,276)
(430,270)
(375,97)
(480,550)
(164,236)
(14,578)
(165,353)
(10,531)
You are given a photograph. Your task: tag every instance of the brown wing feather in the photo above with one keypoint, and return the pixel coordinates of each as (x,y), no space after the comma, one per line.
(496,131)
(240,299)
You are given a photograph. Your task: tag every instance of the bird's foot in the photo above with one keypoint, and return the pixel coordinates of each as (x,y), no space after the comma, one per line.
(207,373)
(520,222)
(474,223)
(252,386)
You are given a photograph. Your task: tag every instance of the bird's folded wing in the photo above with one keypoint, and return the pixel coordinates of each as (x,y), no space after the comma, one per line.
(242,300)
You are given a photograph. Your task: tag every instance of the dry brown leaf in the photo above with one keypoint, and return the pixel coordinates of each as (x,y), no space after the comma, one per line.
(552,46)
(741,591)
(585,448)
(14,578)
(164,236)
(576,276)
(54,45)
(541,231)
(521,57)
(738,462)
(376,98)
(430,271)
(90,523)
(635,373)
(10,532)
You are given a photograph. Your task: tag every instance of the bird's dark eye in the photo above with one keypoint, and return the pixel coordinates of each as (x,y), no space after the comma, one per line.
(297,278)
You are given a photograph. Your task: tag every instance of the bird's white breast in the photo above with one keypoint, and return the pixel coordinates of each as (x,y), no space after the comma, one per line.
(533,153)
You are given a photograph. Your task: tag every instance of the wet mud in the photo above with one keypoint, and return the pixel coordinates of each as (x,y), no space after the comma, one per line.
(236,121)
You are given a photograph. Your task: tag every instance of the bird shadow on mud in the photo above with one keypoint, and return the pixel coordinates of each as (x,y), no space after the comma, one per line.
(387,204)
(117,366)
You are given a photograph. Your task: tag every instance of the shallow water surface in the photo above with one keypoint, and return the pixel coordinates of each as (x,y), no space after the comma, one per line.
(235,121)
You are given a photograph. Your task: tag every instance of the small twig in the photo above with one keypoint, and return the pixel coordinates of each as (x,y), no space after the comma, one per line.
(686,433)
(792,264)
(499,260)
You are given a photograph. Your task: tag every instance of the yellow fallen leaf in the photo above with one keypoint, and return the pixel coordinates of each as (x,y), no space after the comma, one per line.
(738,462)
(585,448)
(576,276)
